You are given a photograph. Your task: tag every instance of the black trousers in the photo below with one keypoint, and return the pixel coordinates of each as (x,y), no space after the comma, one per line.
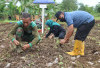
(62,35)
(83,31)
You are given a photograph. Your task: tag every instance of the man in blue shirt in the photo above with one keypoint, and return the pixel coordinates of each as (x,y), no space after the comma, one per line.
(81,20)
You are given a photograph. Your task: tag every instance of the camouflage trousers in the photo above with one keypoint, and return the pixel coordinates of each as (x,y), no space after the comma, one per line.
(22,38)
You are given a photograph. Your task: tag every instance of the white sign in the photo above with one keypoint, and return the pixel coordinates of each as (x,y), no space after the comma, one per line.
(6,3)
(18,4)
(43,6)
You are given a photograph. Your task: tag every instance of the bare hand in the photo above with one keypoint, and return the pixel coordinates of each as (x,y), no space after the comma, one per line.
(63,41)
(50,37)
(67,40)
(44,36)
(16,42)
(26,46)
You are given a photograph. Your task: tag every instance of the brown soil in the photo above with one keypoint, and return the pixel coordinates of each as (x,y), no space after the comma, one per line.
(44,54)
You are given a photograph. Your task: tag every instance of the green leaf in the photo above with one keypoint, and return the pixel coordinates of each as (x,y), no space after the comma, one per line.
(61,63)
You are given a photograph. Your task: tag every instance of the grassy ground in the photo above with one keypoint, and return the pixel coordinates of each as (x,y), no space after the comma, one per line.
(97,18)
(5,21)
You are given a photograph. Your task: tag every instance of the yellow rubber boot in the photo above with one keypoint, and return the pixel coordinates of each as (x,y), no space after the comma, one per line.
(82,49)
(78,48)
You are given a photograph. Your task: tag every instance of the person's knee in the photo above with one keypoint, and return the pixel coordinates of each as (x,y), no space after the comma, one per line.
(61,37)
(19,29)
(19,32)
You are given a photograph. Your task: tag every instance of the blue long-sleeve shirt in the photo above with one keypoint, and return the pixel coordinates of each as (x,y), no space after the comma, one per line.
(77,18)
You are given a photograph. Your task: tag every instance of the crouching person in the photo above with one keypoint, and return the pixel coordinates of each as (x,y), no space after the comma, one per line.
(56,29)
(25,30)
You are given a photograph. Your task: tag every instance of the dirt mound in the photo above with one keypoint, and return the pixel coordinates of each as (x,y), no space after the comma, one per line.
(97,21)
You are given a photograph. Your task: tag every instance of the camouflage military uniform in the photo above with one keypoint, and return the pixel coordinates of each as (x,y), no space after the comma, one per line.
(28,34)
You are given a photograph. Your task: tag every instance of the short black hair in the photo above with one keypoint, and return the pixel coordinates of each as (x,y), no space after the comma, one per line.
(26,15)
(58,14)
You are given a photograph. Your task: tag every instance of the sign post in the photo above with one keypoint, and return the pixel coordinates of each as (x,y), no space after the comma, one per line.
(43,6)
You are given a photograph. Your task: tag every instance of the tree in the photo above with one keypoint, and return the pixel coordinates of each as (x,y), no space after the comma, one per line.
(98,7)
(33,9)
(86,8)
(69,5)
(2,6)
(81,6)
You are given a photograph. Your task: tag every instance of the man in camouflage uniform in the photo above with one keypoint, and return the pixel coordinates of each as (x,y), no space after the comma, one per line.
(25,30)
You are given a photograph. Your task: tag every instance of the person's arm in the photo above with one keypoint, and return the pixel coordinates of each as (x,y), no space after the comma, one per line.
(36,37)
(69,32)
(49,33)
(12,32)
(69,21)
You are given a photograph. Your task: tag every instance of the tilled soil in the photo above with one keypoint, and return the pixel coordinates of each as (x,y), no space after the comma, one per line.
(47,54)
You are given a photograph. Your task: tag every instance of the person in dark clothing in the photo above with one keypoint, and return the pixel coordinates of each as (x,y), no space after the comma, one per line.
(9,17)
(55,29)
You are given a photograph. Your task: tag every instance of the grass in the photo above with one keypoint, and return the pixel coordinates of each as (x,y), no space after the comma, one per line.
(5,21)
(97,18)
